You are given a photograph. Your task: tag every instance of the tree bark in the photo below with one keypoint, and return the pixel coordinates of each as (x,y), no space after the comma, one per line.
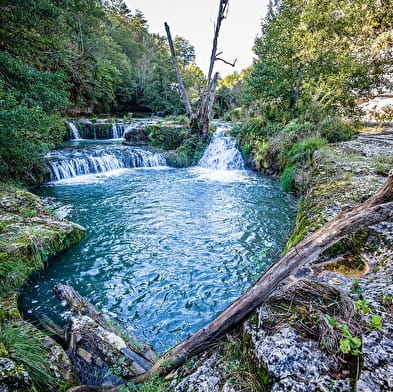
(376,209)
(180,84)
(212,94)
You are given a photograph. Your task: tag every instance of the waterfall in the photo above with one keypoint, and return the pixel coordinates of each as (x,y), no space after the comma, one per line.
(117,130)
(74,131)
(73,162)
(222,152)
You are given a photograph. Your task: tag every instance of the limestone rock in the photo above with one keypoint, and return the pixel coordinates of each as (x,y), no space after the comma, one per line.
(294,363)
(13,378)
(207,378)
(59,363)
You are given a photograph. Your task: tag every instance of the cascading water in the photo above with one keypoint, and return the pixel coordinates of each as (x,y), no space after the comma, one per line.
(118,130)
(74,131)
(222,152)
(73,162)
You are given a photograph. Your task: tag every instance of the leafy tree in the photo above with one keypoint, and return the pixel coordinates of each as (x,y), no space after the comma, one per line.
(184,50)
(314,52)
(161,92)
(228,94)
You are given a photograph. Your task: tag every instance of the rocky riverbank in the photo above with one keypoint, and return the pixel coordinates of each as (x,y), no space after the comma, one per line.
(329,327)
(29,236)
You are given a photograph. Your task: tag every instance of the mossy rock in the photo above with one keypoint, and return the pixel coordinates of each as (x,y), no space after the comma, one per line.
(29,236)
(9,308)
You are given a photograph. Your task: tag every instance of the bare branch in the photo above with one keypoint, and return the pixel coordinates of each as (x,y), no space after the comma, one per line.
(227,62)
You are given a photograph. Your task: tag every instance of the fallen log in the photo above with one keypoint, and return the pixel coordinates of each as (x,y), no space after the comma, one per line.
(84,308)
(99,347)
(377,208)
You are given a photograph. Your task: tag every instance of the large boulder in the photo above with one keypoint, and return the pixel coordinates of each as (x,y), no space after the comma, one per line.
(136,136)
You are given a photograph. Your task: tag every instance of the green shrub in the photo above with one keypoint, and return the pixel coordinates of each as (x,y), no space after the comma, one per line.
(28,127)
(166,137)
(299,156)
(302,152)
(287,179)
(335,130)
(188,154)
(302,130)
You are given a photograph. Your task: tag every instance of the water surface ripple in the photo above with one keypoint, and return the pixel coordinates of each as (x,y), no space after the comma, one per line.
(166,250)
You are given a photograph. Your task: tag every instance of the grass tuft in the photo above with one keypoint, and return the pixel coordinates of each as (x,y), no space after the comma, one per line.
(26,346)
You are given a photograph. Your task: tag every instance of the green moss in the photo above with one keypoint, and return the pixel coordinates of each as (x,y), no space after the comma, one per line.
(9,308)
(3,350)
(383,164)
(26,243)
(287,178)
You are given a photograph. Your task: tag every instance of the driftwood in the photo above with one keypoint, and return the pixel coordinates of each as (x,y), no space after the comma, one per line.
(97,344)
(82,307)
(377,208)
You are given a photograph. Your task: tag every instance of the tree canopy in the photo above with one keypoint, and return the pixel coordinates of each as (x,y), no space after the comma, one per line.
(74,57)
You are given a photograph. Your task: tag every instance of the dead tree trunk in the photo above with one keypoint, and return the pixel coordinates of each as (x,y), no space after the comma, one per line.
(376,209)
(200,122)
(180,84)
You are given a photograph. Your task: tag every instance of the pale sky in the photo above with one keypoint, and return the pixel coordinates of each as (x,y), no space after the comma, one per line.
(194,21)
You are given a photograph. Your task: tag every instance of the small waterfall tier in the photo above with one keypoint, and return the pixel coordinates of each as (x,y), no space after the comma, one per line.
(222,152)
(73,130)
(104,129)
(73,162)
(117,130)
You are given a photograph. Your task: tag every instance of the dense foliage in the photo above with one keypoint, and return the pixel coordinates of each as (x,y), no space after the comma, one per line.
(72,57)
(315,61)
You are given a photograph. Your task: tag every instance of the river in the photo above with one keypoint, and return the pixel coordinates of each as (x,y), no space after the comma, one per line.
(166,249)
